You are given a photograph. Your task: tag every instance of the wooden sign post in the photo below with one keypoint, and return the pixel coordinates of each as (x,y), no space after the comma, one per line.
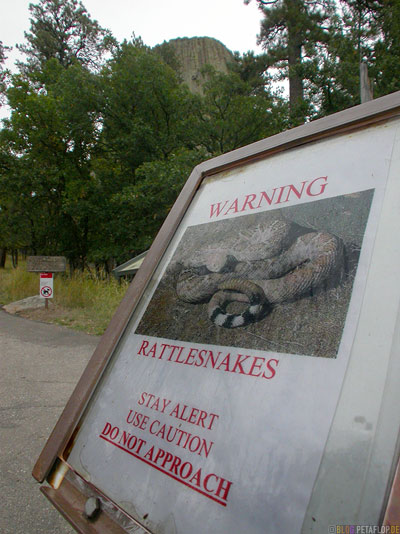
(249,380)
(46,266)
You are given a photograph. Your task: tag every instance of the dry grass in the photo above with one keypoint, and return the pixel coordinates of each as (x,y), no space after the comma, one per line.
(16,284)
(80,302)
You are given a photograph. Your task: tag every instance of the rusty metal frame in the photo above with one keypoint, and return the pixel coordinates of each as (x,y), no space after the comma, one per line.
(356,118)
(70,502)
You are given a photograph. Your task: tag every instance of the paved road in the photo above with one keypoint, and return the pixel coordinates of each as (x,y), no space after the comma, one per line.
(39,367)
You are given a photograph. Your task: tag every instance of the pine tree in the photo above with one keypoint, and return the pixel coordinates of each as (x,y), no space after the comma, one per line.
(4,73)
(290,31)
(386,54)
(63,29)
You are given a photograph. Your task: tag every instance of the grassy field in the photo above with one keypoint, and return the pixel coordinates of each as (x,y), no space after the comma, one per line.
(81,302)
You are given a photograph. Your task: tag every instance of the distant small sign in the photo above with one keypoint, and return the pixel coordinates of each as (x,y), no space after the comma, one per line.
(46,285)
(46,264)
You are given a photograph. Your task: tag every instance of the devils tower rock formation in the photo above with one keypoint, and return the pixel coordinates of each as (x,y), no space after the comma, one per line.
(192,54)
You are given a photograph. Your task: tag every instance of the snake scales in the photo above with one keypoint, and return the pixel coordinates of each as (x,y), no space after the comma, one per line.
(275,262)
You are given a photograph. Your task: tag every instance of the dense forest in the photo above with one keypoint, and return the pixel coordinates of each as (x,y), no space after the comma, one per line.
(102,135)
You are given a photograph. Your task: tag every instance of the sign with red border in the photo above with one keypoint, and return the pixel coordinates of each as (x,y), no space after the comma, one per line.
(46,285)
(220,400)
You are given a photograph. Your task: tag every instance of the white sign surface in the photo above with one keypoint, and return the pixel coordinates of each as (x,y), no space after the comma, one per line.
(46,285)
(215,409)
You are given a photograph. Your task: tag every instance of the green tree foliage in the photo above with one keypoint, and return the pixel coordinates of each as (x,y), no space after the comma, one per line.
(352,36)
(290,32)
(362,31)
(146,117)
(15,221)
(235,112)
(4,73)
(253,69)
(386,54)
(54,127)
(137,210)
(51,135)
(63,29)
(102,136)
(146,111)
(318,47)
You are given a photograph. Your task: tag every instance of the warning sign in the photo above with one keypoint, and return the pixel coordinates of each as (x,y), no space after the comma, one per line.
(46,285)
(249,380)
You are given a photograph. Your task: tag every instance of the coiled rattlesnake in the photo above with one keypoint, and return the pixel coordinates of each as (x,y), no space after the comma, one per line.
(276,262)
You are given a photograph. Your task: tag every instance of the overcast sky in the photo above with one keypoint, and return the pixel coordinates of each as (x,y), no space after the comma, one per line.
(230,21)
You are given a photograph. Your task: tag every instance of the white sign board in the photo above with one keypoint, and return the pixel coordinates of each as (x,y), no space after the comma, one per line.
(215,411)
(46,285)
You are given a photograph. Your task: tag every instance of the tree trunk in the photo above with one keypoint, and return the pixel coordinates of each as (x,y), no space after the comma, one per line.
(3,256)
(296,89)
(295,39)
(14,258)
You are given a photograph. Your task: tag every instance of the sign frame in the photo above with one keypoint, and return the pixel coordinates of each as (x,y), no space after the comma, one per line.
(69,500)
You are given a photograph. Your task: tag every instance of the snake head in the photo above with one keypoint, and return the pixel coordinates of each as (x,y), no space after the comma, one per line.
(229,265)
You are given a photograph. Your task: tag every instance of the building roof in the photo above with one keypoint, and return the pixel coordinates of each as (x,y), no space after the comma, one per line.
(129,267)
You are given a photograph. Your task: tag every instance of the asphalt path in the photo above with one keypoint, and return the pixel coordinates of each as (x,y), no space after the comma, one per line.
(40,365)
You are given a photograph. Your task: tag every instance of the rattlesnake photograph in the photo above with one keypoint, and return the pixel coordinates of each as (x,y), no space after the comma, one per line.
(280,280)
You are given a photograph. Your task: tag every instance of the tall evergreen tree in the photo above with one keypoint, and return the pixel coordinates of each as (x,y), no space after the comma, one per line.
(386,55)
(290,31)
(63,29)
(54,126)
(4,73)
(364,31)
